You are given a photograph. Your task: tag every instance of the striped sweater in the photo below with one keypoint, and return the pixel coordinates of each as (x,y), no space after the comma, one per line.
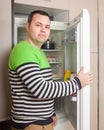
(32,87)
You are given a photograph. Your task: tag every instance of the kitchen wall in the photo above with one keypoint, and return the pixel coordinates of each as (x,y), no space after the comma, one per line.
(74,8)
(5,46)
(101,65)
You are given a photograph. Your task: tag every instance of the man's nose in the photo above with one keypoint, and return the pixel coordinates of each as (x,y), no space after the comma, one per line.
(43,28)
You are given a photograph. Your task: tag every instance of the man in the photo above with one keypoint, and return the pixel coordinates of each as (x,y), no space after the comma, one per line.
(32,87)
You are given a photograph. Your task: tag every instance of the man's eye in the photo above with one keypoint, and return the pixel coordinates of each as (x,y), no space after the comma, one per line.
(47,27)
(38,25)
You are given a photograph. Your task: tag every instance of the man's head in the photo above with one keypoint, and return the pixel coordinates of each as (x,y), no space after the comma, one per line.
(38,27)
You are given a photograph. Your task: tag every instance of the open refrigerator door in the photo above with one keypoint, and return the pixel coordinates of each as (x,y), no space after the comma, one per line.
(77,55)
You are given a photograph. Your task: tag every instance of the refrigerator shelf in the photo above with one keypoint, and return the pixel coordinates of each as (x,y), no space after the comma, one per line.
(58,78)
(55,62)
(51,50)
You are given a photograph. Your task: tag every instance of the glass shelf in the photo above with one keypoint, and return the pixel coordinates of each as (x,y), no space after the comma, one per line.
(55,62)
(51,50)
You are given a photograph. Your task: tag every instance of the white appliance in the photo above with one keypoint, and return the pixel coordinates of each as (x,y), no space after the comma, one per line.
(72,51)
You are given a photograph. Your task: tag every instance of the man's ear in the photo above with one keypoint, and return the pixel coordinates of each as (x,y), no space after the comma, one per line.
(27,26)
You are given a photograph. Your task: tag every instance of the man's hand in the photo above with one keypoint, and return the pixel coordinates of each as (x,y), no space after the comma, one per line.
(85,78)
(54,120)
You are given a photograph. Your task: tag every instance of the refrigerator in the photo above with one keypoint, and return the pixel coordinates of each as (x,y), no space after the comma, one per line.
(69,50)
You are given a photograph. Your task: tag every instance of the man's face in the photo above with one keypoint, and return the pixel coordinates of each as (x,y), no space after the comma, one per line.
(39,28)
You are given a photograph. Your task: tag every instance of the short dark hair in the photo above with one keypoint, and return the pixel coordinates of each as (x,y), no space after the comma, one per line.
(36,12)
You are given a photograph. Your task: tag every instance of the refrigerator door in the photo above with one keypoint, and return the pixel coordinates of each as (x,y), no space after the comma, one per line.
(77,42)
(84,60)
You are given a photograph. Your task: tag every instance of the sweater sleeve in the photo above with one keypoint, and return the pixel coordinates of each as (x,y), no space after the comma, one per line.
(31,76)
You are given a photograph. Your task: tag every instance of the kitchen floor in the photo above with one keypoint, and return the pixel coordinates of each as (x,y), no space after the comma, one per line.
(5,125)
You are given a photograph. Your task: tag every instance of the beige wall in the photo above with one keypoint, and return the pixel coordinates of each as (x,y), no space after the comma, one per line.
(101,65)
(5,46)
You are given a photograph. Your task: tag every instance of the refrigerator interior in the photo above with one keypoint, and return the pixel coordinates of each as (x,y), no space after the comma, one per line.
(21,33)
(56,56)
